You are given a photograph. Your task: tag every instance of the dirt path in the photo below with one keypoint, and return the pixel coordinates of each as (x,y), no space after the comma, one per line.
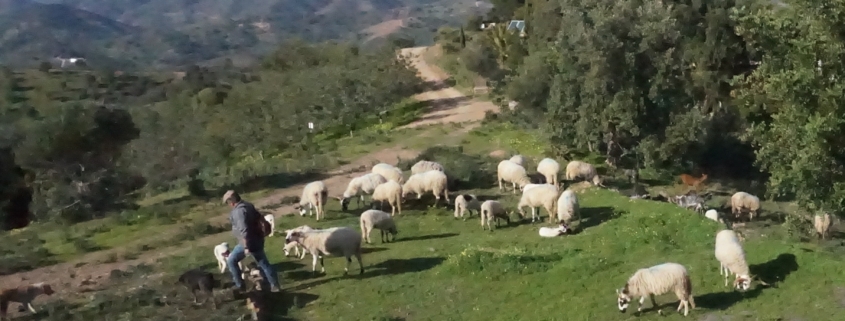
(448,105)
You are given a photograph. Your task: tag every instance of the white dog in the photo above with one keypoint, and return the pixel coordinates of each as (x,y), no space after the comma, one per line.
(272,220)
(221,253)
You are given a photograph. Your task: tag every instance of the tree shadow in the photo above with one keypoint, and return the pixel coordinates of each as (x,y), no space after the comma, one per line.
(426,237)
(594,216)
(402,266)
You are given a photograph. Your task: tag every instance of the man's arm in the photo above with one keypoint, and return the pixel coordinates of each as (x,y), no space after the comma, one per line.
(239,224)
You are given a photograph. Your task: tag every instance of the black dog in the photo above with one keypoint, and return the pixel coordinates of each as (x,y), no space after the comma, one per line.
(196,280)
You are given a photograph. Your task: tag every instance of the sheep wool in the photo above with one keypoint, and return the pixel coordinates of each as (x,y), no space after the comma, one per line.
(435,182)
(567,207)
(364,184)
(389,172)
(578,169)
(544,195)
(713,215)
(314,195)
(391,192)
(466,203)
(742,201)
(513,173)
(425,166)
(518,159)
(657,280)
(731,259)
(336,241)
(822,223)
(490,211)
(371,219)
(550,169)
(553,231)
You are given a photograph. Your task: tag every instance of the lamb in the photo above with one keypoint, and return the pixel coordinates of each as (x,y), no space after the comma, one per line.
(822,223)
(466,203)
(731,258)
(389,172)
(291,245)
(541,195)
(371,219)
(336,241)
(490,211)
(657,280)
(549,168)
(513,173)
(713,215)
(578,169)
(425,166)
(433,181)
(567,207)
(390,192)
(518,159)
(554,231)
(364,184)
(272,220)
(742,201)
(314,195)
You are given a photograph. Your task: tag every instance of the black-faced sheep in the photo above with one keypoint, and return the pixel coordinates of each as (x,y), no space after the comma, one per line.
(657,280)
(466,203)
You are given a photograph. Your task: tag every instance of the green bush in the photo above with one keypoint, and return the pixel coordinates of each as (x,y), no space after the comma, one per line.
(464,171)
(23,252)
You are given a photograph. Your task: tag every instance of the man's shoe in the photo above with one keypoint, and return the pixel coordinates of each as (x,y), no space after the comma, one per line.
(274,289)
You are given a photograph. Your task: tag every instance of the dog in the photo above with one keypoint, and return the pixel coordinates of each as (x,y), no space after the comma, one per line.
(196,280)
(23,295)
(221,252)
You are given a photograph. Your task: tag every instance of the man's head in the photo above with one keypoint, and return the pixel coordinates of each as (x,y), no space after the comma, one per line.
(231,197)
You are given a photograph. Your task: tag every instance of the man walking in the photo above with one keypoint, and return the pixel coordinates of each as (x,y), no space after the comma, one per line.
(246,226)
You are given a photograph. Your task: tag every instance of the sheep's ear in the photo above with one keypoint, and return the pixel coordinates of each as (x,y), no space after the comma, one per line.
(617,291)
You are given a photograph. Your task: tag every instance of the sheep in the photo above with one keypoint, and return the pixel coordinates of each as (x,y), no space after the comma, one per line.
(657,280)
(822,223)
(578,169)
(731,259)
(490,211)
(567,207)
(741,201)
(513,173)
(272,220)
(433,181)
(714,215)
(364,184)
(549,168)
(425,166)
(314,195)
(389,172)
(541,195)
(336,241)
(554,231)
(518,159)
(377,219)
(291,245)
(466,203)
(391,192)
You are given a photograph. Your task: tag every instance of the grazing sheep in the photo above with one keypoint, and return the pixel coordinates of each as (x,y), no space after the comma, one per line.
(742,201)
(364,184)
(550,169)
(390,172)
(513,173)
(714,215)
(336,241)
(518,159)
(822,223)
(541,195)
(493,210)
(425,166)
(390,192)
(272,220)
(433,181)
(578,169)
(731,258)
(567,207)
(466,203)
(554,231)
(371,219)
(314,195)
(657,280)
(291,245)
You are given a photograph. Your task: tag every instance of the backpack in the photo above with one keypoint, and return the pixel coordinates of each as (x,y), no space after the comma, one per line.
(265,226)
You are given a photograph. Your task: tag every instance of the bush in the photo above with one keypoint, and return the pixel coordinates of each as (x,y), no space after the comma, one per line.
(23,252)
(497,263)
(464,171)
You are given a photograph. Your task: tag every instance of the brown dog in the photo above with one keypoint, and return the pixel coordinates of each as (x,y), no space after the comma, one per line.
(24,295)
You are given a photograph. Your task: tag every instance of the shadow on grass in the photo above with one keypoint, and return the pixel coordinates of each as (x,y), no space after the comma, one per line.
(426,237)
(402,266)
(594,216)
(282,302)
(775,270)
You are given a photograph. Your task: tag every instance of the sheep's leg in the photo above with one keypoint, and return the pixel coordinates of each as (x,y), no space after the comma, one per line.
(322,263)
(514,187)
(360,263)
(653,302)
(640,307)
(436,199)
(348,262)
(313,263)
(499,180)
(446,195)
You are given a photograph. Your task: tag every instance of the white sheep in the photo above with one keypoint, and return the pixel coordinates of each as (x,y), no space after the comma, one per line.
(544,195)
(336,241)
(713,215)
(390,172)
(567,207)
(550,169)
(431,181)
(822,224)
(292,245)
(466,203)
(554,231)
(371,219)
(578,169)
(364,184)
(518,159)
(731,259)
(391,192)
(513,173)
(742,201)
(657,280)
(272,220)
(314,195)
(490,211)
(425,166)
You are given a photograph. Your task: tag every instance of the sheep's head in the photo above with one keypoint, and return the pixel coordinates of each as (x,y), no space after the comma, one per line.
(623,299)
(563,228)
(344,203)
(742,283)
(393,231)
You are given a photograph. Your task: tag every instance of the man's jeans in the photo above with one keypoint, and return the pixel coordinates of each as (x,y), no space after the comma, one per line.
(238,254)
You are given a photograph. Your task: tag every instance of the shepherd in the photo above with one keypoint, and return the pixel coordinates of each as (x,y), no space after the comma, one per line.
(250,228)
